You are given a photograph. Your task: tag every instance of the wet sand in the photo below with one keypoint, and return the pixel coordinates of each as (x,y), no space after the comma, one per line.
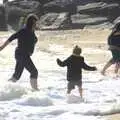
(90,38)
(112,117)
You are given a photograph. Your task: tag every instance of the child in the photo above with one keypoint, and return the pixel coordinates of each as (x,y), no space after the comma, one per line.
(74,64)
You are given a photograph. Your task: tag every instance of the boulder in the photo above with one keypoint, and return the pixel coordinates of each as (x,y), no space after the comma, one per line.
(65,14)
(3,21)
(54,21)
(21,8)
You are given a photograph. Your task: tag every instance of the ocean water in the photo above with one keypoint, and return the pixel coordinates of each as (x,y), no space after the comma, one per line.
(101,94)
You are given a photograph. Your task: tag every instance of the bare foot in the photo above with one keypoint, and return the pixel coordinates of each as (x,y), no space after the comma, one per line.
(12,79)
(35,89)
(103,73)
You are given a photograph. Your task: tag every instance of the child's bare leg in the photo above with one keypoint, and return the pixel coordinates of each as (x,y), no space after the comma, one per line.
(80,92)
(108,64)
(68,91)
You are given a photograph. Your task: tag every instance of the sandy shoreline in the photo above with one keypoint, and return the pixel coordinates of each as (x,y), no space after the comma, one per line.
(87,38)
(69,38)
(112,117)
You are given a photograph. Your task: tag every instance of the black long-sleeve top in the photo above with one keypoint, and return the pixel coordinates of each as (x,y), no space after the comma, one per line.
(75,64)
(114,39)
(26,41)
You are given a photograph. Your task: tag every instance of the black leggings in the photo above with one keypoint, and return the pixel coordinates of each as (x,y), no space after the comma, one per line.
(24,61)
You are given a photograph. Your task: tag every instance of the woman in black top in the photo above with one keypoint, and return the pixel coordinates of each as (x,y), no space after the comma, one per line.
(114,47)
(25,47)
(75,63)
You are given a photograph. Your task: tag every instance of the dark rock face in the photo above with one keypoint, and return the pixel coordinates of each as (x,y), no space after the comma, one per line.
(86,13)
(21,8)
(66,14)
(3,25)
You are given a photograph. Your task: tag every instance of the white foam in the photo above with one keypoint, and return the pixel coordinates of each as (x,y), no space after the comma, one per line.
(35,100)
(100,97)
(74,99)
(10,91)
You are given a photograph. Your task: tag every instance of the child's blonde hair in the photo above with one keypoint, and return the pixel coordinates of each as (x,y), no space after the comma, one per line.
(77,50)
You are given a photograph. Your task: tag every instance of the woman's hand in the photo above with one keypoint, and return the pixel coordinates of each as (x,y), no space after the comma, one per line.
(4,45)
(1,47)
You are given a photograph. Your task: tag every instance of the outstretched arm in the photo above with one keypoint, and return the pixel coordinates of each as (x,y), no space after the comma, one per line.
(87,67)
(4,45)
(62,63)
(12,37)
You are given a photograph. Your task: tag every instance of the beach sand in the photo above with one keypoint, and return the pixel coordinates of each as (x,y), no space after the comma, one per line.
(90,38)
(112,117)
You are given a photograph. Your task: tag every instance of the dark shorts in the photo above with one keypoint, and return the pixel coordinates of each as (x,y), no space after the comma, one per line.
(115,55)
(71,84)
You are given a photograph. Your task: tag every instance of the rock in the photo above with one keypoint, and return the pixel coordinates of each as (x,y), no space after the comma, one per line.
(61,6)
(18,9)
(54,21)
(85,13)
(66,14)
(3,22)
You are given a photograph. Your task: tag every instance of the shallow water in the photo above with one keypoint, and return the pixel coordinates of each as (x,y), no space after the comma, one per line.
(17,101)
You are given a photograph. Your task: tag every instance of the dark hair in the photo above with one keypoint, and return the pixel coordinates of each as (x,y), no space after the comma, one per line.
(30,20)
(117,26)
(77,50)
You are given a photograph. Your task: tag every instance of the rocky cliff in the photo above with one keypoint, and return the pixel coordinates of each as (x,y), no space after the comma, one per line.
(65,14)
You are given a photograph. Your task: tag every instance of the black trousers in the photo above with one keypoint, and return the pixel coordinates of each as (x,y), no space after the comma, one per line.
(24,61)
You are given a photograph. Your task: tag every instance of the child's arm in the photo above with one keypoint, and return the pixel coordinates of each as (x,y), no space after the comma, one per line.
(62,63)
(87,67)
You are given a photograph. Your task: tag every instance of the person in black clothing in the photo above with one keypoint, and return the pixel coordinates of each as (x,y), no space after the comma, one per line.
(114,47)
(75,63)
(25,47)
